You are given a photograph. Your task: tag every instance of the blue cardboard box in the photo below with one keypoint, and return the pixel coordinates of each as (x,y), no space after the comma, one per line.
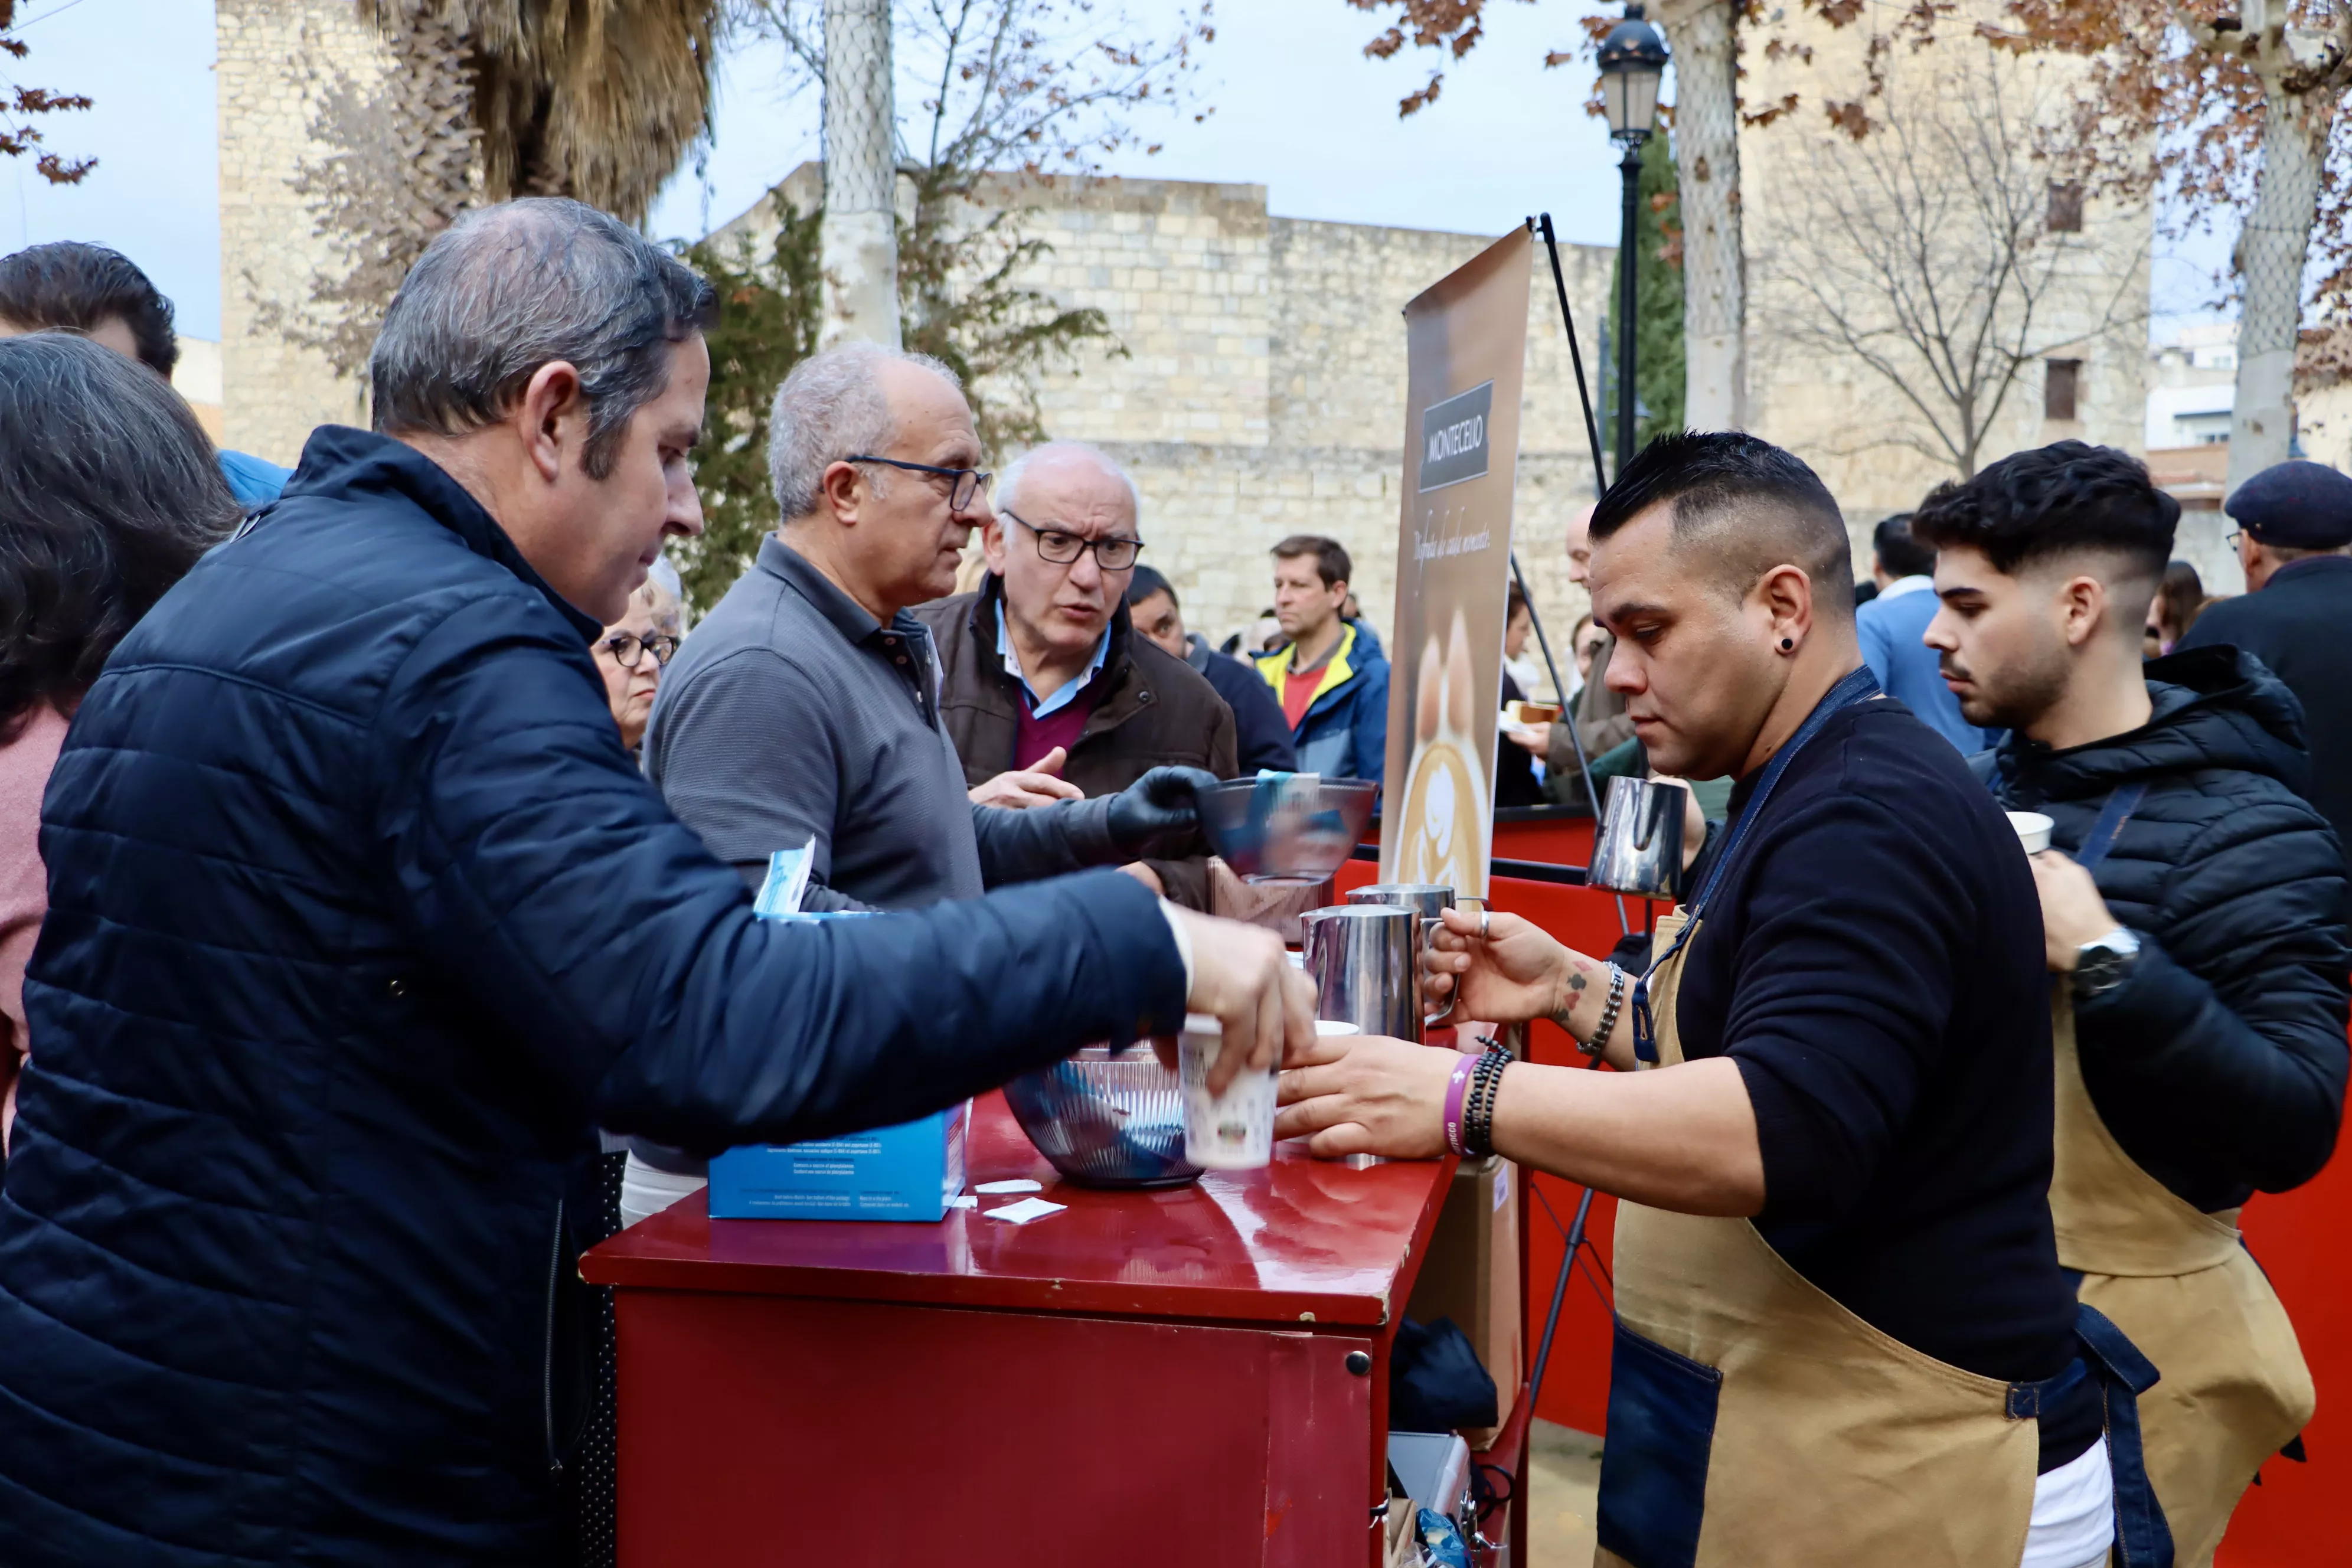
(907,1172)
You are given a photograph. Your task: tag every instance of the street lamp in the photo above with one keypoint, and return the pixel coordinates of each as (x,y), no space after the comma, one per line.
(1632,58)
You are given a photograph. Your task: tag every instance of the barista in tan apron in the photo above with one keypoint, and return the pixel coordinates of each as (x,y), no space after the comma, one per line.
(2183,1285)
(1737,1384)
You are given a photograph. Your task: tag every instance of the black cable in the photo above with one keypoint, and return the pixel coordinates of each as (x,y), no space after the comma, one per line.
(1559,283)
(1592,434)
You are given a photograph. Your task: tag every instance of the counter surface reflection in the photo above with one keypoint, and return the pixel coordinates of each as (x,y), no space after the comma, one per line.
(1303,1239)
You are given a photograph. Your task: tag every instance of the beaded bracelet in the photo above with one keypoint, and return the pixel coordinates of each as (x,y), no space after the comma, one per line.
(1599,1042)
(1478,1117)
(1463,1071)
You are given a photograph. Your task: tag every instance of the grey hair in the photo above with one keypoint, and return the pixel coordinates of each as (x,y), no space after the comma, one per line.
(664,595)
(1008,483)
(830,407)
(509,288)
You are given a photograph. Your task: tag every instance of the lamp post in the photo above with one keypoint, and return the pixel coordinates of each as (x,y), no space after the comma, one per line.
(1632,58)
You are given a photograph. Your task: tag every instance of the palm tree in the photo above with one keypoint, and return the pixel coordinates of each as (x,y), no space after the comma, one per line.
(480,100)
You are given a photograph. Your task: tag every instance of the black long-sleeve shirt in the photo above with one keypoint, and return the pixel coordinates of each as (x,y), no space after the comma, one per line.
(1874,964)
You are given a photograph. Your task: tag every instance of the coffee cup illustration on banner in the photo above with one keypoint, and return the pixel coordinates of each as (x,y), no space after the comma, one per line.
(1445,796)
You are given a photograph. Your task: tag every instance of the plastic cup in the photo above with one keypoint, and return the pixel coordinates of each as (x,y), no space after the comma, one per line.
(2033,830)
(1233,1130)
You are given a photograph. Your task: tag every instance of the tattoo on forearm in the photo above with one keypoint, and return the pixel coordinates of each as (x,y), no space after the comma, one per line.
(1576,981)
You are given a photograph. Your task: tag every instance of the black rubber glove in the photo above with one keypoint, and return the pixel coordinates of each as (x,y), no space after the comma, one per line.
(1157,818)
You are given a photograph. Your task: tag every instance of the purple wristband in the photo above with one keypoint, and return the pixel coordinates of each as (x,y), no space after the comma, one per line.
(1454,1089)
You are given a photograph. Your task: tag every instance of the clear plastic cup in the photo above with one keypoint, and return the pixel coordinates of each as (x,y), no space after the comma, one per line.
(1233,1130)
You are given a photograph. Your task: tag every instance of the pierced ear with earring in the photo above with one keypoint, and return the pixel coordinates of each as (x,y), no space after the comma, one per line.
(1788,643)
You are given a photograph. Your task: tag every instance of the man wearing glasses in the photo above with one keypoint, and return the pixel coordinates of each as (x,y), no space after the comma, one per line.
(807,705)
(1042,671)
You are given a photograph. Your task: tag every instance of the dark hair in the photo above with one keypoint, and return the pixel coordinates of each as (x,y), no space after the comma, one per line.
(1514,600)
(1900,555)
(72,284)
(1331,561)
(2181,597)
(2068,495)
(507,290)
(1750,505)
(109,494)
(1146,581)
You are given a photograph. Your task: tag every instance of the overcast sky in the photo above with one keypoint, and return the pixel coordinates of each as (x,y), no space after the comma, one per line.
(1297,110)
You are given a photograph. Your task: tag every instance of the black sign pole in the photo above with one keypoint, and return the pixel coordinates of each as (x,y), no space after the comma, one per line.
(1592,432)
(1575,1238)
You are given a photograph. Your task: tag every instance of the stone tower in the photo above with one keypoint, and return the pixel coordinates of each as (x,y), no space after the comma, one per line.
(279,62)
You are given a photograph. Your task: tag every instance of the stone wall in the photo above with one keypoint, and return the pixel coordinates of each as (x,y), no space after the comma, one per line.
(277,60)
(1262,388)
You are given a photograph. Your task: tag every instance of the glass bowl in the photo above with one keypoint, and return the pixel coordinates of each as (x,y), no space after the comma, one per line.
(1286,827)
(1107,1120)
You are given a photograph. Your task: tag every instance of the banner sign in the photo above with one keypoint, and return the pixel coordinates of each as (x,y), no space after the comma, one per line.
(1466,341)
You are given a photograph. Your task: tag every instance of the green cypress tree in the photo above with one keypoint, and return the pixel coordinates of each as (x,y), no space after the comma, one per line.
(1658,307)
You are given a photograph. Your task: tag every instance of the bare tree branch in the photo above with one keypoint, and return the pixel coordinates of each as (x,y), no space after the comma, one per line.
(1920,251)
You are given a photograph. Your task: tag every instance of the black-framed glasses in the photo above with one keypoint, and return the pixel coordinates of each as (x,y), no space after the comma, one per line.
(964,485)
(1115,553)
(628,649)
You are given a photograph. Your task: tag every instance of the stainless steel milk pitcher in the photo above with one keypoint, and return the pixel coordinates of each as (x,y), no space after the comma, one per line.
(1638,849)
(1365,962)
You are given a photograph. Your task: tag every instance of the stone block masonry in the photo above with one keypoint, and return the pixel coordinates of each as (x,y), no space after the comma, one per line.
(277,58)
(1262,390)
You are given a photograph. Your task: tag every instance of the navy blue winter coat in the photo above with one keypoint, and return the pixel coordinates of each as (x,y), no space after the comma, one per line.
(360,918)
(2219,1065)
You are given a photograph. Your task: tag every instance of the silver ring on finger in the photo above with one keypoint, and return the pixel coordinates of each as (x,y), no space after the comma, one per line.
(1483,917)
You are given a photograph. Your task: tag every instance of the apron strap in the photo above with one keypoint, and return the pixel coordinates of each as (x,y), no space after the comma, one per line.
(1857,685)
(2143,1539)
(2112,814)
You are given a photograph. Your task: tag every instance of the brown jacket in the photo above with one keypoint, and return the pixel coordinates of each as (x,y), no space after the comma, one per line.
(1157,711)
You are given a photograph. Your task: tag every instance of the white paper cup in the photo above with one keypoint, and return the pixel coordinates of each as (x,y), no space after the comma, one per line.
(1233,1130)
(2033,830)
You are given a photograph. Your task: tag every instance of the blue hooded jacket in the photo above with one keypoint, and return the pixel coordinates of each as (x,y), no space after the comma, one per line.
(1344,733)
(359,920)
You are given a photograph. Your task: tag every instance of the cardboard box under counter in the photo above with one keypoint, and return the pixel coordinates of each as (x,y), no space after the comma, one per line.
(1471,1274)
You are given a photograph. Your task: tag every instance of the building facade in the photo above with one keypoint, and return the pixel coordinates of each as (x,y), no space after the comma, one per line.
(1260,388)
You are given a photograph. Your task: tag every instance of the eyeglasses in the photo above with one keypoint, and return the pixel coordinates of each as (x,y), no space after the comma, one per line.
(627,649)
(964,485)
(1061,547)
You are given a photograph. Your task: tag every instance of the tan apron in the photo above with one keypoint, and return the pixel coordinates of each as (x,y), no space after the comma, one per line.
(1755,1422)
(2184,1289)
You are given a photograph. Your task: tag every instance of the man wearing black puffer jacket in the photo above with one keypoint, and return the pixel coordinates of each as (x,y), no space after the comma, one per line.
(2190,902)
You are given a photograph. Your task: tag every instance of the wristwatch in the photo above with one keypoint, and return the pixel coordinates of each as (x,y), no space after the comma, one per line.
(2100,966)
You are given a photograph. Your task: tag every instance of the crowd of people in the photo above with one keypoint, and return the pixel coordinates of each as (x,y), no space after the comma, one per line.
(376,844)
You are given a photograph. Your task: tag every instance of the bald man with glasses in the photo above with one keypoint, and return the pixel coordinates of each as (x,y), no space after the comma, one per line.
(805,706)
(1042,670)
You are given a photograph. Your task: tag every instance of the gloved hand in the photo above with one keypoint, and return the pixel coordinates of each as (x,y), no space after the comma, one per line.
(1157,817)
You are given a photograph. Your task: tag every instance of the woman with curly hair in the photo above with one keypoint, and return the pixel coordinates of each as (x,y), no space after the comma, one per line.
(108,493)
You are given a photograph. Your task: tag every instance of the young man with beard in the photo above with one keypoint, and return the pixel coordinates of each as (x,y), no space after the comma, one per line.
(1842,1333)
(2188,905)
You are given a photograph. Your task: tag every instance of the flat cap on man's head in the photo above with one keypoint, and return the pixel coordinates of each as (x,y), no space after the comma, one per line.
(2300,505)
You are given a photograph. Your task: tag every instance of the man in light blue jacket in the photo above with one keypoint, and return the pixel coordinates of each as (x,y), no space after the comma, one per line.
(1891,626)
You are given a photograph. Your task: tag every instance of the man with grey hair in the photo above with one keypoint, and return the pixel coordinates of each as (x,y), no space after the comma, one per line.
(807,704)
(1042,671)
(361,920)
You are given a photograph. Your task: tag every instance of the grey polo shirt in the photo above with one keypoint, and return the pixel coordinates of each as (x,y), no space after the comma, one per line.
(791,713)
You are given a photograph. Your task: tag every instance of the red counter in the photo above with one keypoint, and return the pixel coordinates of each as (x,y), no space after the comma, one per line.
(1178,1378)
